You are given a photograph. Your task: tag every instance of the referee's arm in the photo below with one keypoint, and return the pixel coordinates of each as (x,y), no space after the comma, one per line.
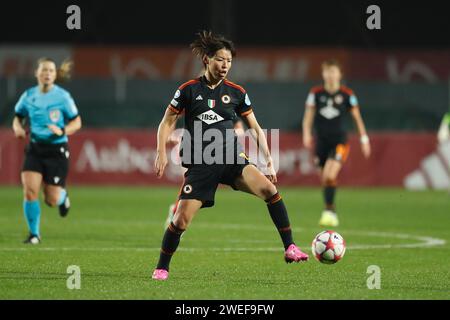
(19,130)
(73,126)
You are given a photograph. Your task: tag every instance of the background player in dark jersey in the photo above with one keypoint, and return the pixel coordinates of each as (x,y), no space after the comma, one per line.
(326,107)
(209,104)
(52,116)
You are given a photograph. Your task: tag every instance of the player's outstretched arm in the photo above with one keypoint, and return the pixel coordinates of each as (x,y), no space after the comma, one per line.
(165,128)
(364,138)
(260,137)
(19,130)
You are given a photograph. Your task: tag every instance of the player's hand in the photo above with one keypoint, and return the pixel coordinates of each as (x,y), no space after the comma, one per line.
(20,133)
(365,148)
(271,174)
(307,141)
(55,129)
(160,163)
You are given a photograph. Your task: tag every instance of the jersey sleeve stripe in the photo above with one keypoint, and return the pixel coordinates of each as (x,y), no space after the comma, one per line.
(234,85)
(184,85)
(245,113)
(173,109)
(316,89)
(347,90)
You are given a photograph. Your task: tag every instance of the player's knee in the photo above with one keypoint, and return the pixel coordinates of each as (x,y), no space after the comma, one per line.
(30,194)
(181,219)
(51,199)
(268,190)
(329,181)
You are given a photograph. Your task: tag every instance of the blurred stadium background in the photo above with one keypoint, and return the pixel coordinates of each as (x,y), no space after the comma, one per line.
(129,61)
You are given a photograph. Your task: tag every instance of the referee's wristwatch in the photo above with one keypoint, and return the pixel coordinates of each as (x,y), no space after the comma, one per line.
(63,131)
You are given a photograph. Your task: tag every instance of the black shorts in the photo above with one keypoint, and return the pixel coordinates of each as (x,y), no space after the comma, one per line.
(336,149)
(51,160)
(201,181)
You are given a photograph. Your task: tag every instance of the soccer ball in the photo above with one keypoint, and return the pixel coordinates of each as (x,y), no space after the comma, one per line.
(328,247)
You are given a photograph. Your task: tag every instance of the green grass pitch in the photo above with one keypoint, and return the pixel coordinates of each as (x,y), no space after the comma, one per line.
(231,251)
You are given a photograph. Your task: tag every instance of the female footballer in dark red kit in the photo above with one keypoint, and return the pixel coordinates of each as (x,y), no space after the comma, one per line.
(325,108)
(209,104)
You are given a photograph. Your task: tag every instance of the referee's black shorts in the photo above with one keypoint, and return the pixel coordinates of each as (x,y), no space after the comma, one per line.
(51,160)
(201,181)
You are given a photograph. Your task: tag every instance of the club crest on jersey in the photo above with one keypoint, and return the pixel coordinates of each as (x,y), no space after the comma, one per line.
(338,99)
(211,103)
(226,99)
(209,117)
(55,115)
(329,112)
(187,189)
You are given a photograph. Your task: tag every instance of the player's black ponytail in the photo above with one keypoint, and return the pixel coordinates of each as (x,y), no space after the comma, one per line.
(208,43)
(63,73)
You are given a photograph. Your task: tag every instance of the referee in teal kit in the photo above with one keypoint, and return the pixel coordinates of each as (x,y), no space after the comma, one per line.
(52,116)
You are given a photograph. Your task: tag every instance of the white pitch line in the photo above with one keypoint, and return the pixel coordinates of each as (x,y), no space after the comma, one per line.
(423,242)
(427,242)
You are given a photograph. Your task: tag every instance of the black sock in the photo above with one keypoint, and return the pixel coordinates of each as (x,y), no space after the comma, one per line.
(169,245)
(328,194)
(280,218)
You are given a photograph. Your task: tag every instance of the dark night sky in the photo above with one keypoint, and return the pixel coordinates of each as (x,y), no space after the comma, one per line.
(247,22)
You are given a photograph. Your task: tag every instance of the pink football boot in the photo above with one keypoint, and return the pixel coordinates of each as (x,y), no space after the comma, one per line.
(160,274)
(294,254)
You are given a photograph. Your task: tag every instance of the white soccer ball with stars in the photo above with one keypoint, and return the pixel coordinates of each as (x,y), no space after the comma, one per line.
(328,247)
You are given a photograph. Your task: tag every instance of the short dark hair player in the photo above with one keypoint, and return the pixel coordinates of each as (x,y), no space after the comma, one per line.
(209,103)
